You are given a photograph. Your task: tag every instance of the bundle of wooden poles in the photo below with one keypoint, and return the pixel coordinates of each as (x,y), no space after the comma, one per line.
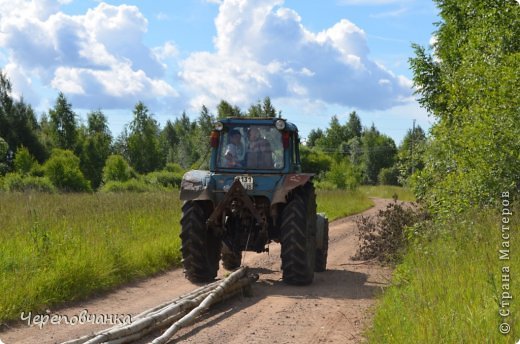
(174,314)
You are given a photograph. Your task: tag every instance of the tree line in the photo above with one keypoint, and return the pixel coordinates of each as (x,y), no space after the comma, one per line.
(469,82)
(59,151)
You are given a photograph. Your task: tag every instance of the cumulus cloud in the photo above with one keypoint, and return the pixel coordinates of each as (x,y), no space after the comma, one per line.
(262,48)
(98,59)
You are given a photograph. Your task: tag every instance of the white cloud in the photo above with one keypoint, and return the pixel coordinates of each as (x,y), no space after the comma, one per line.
(98,58)
(262,48)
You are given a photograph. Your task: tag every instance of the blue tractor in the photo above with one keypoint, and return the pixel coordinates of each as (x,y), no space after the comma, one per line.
(253,194)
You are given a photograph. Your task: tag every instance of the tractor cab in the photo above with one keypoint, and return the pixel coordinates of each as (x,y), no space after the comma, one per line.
(247,145)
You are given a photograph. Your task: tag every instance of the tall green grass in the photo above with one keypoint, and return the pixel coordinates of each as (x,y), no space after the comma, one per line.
(340,203)
(388,191)
(448,288)
(62,247)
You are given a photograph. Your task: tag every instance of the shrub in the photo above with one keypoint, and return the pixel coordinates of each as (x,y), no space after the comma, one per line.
(23,161)
(14,182)
(63,170)
(388,176)
(116,169)
(132,185)
(163,179)
(174,167)
(37,170)
(314,162)
(343,175)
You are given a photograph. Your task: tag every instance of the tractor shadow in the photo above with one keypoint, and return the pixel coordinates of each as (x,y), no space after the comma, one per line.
(335,284)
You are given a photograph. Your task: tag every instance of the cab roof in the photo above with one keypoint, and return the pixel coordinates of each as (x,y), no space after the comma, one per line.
(257,121)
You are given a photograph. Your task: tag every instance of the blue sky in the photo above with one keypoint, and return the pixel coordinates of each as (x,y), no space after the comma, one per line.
(315,59)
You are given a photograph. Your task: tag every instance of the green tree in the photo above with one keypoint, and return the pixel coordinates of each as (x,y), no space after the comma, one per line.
(262,109)
(186,151)
(64,172)
(63,124)
(18,125)
(378,152)
(225,109)
(410,156)
(95,147)
(4,150)
(470,83)
(144,150)
(353,126)
(314,136)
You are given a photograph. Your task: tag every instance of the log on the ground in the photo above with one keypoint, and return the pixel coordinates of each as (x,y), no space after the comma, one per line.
(180,312)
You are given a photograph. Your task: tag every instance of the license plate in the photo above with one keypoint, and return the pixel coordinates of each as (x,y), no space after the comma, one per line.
(247,182)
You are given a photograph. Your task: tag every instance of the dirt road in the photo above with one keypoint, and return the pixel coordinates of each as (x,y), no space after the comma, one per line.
(334,309)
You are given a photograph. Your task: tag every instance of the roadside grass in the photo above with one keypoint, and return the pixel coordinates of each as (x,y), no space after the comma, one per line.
(63,247)
(388,191)
(340,203)
(56,248)
(450,284)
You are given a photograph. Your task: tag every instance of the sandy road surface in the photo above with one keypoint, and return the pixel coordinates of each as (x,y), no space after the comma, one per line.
(334,309)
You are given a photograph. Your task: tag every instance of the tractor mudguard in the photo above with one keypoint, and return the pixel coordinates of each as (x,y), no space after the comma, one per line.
(195,185)
(290,182)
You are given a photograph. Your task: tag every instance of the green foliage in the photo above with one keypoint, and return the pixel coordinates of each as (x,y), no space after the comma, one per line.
(131,185)
(4,149)
(163,179)
(262,109)
(343,175)
(64,172)
(144,150)
(388,176)
(95,147)
(410,156)
(225,109)
(378,152)
(448,288)
(23,161)
(175,168)
(314,161)
(470,85)
(14,182)
(116,169)
(64,127)
(18,125)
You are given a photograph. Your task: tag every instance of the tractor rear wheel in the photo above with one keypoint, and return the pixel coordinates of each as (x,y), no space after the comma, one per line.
(200,247)
(298,237)
(322,243)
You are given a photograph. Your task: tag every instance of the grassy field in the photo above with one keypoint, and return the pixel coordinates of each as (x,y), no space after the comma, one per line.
(56,248)
(387,191)
(340,203)
(63,247)
(448,288)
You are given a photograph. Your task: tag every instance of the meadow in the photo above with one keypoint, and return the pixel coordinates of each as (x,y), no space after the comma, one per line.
(65,247)
(450,285)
